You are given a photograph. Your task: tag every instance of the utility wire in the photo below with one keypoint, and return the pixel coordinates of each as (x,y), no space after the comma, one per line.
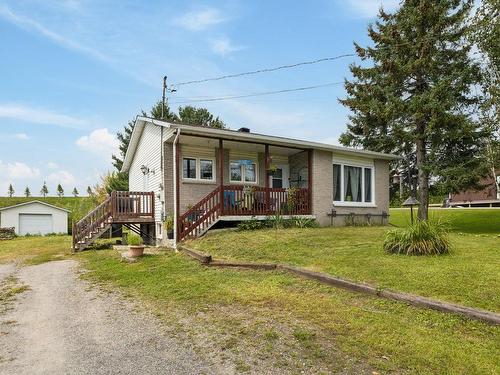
(265,70)
(261,93)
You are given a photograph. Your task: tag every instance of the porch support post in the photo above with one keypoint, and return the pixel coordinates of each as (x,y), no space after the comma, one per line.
(221,175)
(266,177)
(309,179)
(177,192)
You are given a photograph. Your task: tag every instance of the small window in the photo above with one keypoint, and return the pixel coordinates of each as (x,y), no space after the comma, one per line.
(206,169)
(243,171)
(368,185)
(337,183)
(189,168)
(277,178)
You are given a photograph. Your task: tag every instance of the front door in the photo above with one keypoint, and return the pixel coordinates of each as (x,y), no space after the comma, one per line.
(280,177)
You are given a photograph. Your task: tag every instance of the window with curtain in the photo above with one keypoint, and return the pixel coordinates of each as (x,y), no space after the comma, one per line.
(352,183)
(337,181)
(368,184)
(243,171)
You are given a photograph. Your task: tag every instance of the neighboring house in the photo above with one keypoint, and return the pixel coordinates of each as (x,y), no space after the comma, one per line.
(34,217)
(201,176)
(488,196)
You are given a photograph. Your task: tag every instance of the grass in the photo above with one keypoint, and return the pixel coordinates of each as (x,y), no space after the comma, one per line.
(274,322)
(34,250)
(464,220)
(251,316)
(470,275)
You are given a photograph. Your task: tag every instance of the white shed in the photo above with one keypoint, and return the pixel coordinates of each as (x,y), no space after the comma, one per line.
(34,217)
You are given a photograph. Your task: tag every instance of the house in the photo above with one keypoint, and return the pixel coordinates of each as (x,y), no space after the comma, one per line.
(34,217)
(201,176)
(487,196)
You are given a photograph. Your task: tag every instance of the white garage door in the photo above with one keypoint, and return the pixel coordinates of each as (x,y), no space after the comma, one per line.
(35,224)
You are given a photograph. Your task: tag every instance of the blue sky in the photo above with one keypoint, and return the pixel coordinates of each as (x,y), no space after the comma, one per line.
(73,72)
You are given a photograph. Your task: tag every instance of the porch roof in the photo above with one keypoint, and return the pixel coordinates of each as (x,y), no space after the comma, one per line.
(233,135)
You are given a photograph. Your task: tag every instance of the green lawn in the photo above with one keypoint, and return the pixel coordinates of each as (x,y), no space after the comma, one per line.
(274,322)
(470,275)
(465,220)
(34,250)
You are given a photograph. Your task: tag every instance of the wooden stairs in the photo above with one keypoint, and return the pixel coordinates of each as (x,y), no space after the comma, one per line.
(121,207)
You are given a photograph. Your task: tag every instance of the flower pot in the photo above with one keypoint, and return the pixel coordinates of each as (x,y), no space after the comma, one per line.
(136,251)
(170,234)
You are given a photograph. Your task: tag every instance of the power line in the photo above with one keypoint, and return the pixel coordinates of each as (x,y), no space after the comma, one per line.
(265,70)
(260,93)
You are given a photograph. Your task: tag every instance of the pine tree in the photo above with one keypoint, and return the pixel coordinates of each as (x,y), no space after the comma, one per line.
(27,192)
(75,192)
(416,98)
(44,191)
(60,190)
(10,191)
(89,191)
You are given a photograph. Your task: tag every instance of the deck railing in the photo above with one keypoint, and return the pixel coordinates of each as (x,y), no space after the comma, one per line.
(256,200)
(128,205)
(237,200)
(120,207)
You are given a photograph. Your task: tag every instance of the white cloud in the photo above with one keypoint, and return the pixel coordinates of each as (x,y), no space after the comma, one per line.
(21,136)
(62,177)
(52,165)
(33,26)
(370,8)
(18,170)
(223,46)
(39,116)
(200,19)
(100,142)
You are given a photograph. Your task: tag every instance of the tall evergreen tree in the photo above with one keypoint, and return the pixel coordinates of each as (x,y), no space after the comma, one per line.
(27,192)
(44,190)
(199,116)
(485,33)
(10,191)
(75,192)
(416,97)
(89,191)
(60,190)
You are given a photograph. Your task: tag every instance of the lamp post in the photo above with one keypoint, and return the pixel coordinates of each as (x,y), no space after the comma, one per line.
(411,201)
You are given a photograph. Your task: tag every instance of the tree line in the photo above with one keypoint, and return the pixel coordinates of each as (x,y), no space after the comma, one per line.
(44,191)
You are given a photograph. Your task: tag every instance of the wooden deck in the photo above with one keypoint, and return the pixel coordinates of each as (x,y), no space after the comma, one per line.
(121,207)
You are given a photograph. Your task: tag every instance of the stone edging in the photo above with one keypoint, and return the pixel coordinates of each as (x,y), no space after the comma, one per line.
(412,299)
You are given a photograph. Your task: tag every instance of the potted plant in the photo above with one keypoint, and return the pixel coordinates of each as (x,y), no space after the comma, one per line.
(169,226)
(136,245)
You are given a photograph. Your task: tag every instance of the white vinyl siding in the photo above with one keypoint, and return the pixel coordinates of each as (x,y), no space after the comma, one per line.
(149,153)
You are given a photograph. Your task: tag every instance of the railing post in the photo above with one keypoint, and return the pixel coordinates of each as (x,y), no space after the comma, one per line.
(266,178)
(309,180)
(152,200)
(221,176)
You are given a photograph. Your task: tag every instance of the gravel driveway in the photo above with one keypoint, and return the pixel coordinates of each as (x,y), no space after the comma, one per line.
(64,326)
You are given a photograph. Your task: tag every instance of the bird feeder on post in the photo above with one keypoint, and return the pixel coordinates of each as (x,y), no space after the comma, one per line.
(411,202)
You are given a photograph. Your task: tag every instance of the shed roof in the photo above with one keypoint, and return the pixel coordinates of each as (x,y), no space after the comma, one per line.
(31,202)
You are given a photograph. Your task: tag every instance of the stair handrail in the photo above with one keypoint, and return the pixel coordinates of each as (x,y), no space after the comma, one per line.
(91,221)
(185,231)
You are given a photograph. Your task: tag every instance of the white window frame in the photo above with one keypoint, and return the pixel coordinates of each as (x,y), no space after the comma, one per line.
(243,172)
(345,203)
(198,169)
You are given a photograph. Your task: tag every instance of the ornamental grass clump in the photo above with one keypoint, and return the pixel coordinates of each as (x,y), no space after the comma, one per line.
(421,238)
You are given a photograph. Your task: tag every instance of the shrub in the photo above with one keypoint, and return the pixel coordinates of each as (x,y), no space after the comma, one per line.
(251,224)
(421,238)
(134,240)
